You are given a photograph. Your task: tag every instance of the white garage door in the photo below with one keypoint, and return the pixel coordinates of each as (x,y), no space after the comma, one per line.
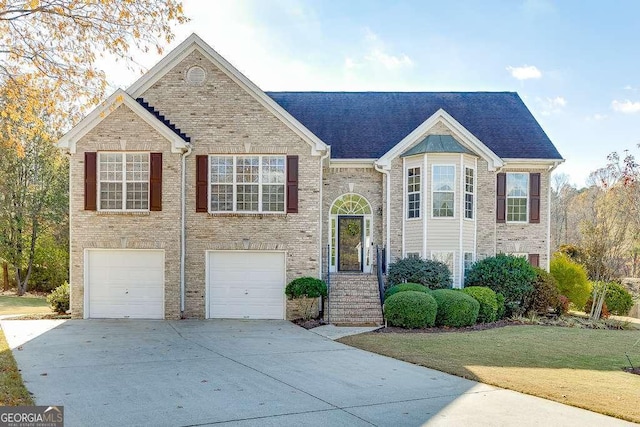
(246,285)
(125,283)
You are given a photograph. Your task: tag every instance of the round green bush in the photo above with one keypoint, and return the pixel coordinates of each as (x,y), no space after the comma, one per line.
(432,274)
(501,309)
(488,302)
(510,275)
(309,287)
(403,287)
(618,299)
(59,298)
(410,309)
(545,293)
(571,278)
(455,308)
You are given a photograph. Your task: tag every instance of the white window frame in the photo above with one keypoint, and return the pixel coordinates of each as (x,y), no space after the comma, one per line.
(433,191)
(415,192)
(434,257)
(471,193)
(234,184)
(526,203)
(123,181)
(412,255)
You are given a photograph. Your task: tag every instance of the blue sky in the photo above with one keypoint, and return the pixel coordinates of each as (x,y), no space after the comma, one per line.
(575,63)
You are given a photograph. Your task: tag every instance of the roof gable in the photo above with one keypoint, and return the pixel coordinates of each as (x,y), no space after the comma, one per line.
(368,124)
(100,113)
(193,43)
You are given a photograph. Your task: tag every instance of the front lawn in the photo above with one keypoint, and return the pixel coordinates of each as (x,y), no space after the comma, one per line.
(12,390)
(12,304)
(579,367)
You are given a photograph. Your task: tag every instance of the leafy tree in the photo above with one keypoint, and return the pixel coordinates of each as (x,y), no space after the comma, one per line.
(33,199)
(50,50)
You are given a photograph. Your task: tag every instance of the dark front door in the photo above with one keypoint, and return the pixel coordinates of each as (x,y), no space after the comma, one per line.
(350,232)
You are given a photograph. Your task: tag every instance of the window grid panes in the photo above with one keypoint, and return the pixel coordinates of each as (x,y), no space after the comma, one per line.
(469,182)
(517,196)
(247,183)
(468,262)
(443,191)
(124,181)
(413,193)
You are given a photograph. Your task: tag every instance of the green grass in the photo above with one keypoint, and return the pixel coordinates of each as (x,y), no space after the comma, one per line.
(12,390)
(11,304)
(579,367)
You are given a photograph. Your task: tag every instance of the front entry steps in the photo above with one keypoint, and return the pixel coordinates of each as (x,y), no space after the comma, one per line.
(354,299)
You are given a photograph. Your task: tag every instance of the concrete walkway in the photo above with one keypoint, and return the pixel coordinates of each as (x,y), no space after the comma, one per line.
(250,373)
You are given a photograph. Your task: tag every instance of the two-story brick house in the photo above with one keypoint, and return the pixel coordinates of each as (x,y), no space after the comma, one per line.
(196,194)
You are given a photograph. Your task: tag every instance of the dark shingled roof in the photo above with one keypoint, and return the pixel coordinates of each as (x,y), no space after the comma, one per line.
(368,124)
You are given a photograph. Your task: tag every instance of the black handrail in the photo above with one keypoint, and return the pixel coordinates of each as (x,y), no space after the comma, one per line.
(328,283)
(380,261)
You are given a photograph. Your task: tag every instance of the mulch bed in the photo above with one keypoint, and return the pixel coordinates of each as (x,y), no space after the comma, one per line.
(437,330)
(309,324)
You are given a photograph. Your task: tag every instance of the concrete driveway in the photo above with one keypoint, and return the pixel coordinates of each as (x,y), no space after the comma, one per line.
(249,373)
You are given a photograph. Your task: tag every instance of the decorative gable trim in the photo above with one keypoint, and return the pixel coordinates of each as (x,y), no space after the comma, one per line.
(462,134)
(195,43)
(119,97)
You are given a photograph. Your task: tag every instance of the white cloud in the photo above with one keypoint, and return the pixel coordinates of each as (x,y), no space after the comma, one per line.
(558,101)
(631,88)
(377,53)
(626,106)
(525,72)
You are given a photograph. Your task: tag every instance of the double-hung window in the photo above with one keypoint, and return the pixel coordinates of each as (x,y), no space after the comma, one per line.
(123,180)
(413,192)
(469,182)
(517,196)
(247,183)
(443,191)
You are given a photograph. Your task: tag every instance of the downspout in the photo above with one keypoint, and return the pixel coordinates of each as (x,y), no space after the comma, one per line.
(183,231)
(387,173)
(320,245)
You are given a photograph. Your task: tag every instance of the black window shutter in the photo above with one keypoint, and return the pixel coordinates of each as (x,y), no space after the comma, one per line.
(155,182)
(534,198)
(501,197)
(202,181)
(292,184)
(90,182)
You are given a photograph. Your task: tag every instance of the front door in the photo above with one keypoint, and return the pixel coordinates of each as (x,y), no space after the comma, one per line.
(350,247)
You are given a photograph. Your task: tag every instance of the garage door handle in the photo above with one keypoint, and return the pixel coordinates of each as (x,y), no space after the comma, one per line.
(246,292)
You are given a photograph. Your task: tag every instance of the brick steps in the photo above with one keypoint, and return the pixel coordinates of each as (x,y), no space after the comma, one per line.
(354,300)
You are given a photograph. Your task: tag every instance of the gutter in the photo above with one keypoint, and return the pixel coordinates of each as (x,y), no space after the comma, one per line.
(387,173)
(321,246)
(183,231)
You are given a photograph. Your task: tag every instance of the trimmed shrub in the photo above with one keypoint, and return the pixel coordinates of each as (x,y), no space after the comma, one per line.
(563,305)
(488,302)
(309,287)
(410,309)
(455,308)
(571,278)
(501,309)
(404,287)
(59,299)
(512,276)
(545,293)
(619,300)
(430,273)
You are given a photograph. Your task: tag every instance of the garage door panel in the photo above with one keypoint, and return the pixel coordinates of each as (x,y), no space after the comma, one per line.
(126,284)
(246,285)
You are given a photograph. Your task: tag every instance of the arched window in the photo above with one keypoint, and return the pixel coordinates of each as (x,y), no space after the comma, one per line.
(351,204)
